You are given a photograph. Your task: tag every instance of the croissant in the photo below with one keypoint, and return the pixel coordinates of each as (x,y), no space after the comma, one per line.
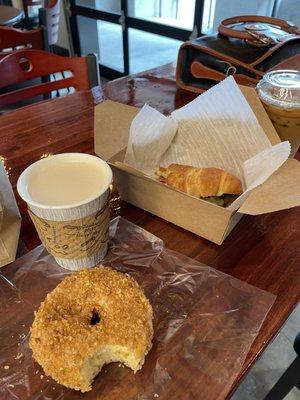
(200,182)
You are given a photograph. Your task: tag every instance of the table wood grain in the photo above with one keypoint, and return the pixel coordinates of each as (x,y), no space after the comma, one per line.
(261,250)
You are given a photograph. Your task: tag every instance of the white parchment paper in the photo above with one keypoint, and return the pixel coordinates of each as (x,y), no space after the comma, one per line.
(217,129)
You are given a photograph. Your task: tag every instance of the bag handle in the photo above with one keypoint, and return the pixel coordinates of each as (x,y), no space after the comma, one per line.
(200,71)
(251,34)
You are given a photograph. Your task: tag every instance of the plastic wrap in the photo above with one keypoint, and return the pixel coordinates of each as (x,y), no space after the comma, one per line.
(204,324)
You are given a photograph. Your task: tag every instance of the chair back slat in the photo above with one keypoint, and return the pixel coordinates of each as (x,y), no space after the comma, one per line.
(36,90)
(12,38)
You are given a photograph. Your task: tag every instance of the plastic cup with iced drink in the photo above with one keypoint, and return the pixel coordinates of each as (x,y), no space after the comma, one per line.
(279,92)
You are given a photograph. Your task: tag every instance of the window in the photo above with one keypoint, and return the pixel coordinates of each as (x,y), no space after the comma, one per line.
(133,35)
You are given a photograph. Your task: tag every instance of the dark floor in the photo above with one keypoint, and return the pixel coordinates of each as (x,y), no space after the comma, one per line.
(273,362)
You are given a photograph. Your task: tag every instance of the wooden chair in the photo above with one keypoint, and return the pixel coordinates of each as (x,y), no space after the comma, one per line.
(12,39)
(25,65)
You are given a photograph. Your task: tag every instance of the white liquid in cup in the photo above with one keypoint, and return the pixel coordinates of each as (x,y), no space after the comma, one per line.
(64,180)
(66,183)
(67,187)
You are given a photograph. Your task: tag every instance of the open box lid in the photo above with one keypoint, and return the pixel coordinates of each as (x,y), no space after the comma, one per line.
(280,191)
(112,125)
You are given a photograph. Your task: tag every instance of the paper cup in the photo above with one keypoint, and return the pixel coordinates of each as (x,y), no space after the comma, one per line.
(68,200)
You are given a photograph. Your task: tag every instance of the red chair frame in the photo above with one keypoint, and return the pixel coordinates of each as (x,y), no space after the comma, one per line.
(24,65)
(11,38)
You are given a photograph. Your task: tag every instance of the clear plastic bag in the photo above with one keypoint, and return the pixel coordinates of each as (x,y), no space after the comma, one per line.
(204,323)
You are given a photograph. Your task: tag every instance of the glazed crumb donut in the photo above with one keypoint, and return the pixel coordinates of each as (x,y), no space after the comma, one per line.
(90,319)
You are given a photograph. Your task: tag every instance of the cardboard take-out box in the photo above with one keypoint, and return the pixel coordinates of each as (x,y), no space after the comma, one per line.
(280,191)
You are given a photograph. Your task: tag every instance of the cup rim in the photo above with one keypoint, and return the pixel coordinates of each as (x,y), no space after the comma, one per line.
(270,74)
(22,181)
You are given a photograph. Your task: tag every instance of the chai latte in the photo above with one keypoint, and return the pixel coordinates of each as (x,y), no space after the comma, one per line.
(66,182)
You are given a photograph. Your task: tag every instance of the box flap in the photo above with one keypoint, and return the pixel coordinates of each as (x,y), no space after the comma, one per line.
(279,192)
(112,123)
(260,113)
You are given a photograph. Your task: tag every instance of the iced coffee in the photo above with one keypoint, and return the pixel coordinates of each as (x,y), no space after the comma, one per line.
(279,92)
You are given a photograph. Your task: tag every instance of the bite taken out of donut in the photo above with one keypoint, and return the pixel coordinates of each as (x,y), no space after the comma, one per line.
(92,318)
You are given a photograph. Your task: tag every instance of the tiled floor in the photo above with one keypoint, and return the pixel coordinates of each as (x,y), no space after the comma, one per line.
(273,362)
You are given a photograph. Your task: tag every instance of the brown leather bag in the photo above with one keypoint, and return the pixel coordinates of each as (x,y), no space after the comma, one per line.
(246,47)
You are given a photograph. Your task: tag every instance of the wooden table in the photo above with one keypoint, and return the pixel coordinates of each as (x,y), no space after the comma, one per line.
(261,250)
